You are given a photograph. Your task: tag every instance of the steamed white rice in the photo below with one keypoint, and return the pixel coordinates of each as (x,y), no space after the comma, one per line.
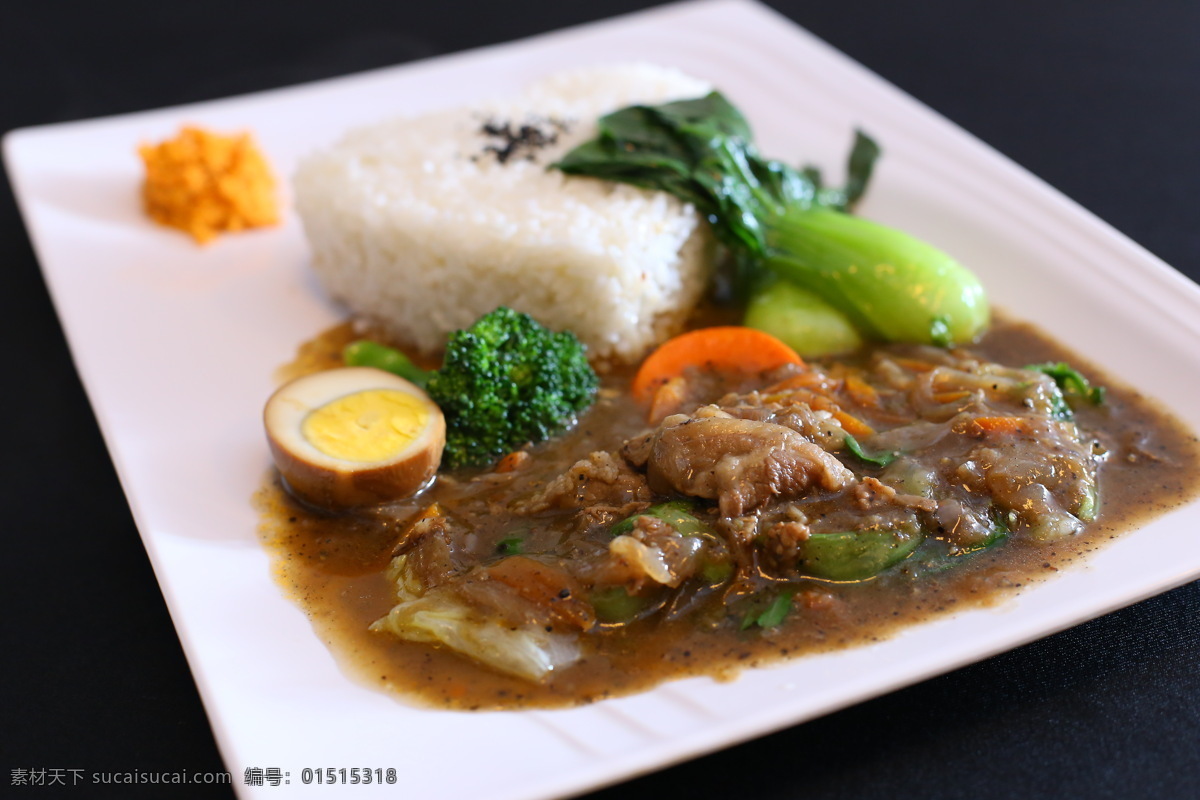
(415,226)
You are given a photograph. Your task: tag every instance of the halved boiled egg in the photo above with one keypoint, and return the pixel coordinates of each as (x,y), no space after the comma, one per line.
(354,436)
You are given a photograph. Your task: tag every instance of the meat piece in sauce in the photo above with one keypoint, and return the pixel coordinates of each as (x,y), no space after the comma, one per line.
(599,489)
(601,479)
(740,463)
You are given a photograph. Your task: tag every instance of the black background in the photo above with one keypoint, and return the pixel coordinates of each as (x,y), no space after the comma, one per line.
(1101,99)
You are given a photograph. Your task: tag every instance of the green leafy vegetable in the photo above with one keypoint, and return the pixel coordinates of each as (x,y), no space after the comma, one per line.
(881,460)
(939,332)
(800,319)
(715,572)
(1072,383)
(511,546)
(615,605)
(855,555)
(676,513)
(781,221)
(773,615)
(999,526)
(365,353)
(1089,505)
(505,381)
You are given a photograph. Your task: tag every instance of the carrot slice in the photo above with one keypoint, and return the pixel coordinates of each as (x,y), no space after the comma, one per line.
(852,424)
(1004,425)
(512,461)
(729,348)
(913,364)
(861,392)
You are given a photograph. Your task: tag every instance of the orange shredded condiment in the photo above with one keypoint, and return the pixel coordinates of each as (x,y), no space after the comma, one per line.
(205,184)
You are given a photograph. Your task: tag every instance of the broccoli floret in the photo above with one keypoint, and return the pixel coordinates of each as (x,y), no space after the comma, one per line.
(506,381)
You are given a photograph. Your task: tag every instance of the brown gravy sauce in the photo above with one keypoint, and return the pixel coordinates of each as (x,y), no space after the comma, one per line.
(332,567)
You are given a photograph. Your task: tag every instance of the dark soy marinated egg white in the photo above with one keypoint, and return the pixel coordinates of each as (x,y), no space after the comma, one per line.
(354,436)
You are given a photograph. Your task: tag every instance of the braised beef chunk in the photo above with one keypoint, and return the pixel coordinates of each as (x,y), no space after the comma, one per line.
(740,463)
(601,479)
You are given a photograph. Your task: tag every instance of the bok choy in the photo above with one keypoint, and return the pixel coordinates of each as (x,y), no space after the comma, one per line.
(783,223)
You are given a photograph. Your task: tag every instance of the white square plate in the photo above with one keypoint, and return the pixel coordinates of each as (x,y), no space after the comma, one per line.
(177,344)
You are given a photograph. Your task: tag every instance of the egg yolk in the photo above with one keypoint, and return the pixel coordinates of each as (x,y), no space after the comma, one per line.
(366,426)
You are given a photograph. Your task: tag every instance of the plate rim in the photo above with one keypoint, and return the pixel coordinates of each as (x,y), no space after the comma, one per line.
(1170,282)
